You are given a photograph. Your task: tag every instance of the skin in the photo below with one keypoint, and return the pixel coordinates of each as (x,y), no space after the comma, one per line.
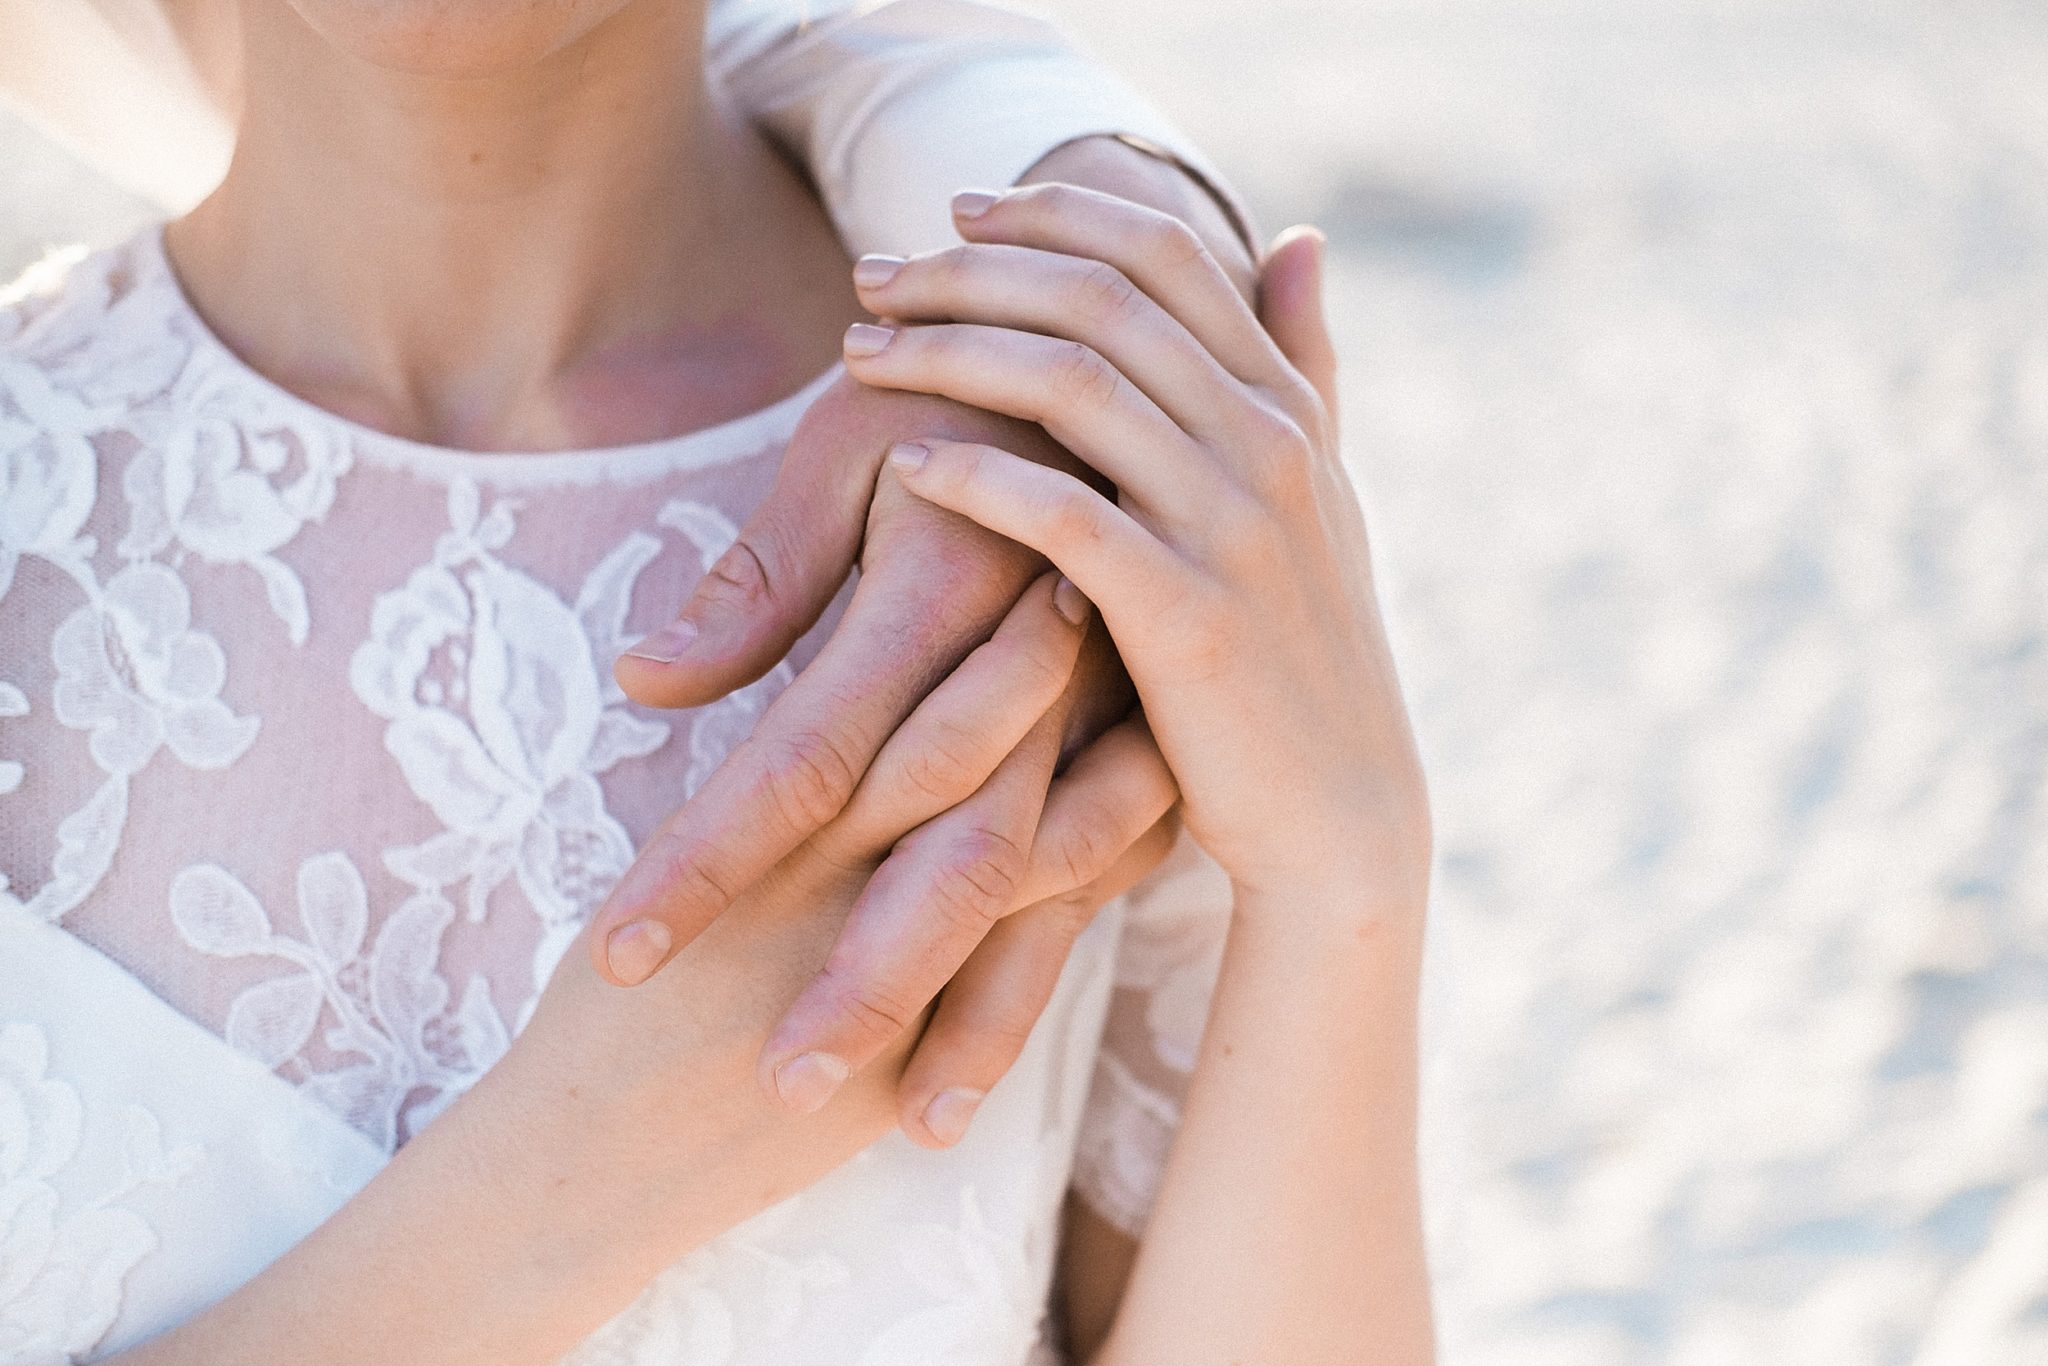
(606,1165)
(638,344)
(1232,571)
(930,586)
(377,248)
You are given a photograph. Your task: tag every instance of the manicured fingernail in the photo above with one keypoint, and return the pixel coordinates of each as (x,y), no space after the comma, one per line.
(808,1080)
(634,950)
(865,339)
(909,457)
(1072,603)
(974,203)
(872,272)
(667,645)
(951,1111)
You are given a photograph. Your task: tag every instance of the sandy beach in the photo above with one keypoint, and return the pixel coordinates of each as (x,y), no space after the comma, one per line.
(1698,386)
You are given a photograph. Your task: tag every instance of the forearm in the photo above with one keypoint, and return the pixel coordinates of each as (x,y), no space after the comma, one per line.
(547,1198)
(1288,1225)
(469,1247)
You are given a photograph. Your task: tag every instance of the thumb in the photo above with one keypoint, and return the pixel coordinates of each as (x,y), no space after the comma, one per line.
(763,592)
(1291,307)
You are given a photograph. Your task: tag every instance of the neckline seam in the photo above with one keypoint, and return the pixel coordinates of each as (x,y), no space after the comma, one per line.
(720,443)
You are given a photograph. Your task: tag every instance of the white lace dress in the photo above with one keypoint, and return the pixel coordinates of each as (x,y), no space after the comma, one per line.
(311,765)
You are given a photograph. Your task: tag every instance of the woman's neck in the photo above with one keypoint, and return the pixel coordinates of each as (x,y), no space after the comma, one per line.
(584,251)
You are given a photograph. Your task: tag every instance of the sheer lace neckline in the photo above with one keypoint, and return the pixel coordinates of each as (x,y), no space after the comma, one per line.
(732,439)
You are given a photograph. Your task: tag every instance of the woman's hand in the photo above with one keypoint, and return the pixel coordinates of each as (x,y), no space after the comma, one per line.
(1234,575)
(1234,579)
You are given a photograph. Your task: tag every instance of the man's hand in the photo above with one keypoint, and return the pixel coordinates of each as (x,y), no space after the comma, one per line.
(932,589)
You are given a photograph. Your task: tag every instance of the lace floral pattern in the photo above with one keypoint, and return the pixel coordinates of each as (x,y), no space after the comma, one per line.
(362,692)
(501,724)
(499,711)
(690,1315)
(62,1263)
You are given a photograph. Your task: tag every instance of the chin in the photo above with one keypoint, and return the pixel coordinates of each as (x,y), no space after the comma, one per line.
(456,38)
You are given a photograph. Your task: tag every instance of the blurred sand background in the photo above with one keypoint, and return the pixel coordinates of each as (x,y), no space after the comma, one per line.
(1698,381)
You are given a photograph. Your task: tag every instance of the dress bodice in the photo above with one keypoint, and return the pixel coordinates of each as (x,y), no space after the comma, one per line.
(311,765)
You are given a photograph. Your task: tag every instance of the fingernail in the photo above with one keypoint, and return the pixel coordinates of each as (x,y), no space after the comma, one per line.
(951,1111)
(865,339)
(667,645)
(1072,603)
(808,1080)
(634,950)
(974,203)
(909,457)
(872,272)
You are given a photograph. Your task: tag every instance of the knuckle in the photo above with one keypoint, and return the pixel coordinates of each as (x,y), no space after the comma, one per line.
(1173,243)
(976,883)
(1299,398)
(1081,377)
(1284,452)
(1105,294)
(1072,517)
(952,267)
(1087,849)
(812,779)
(873,1013)
(1055,198)
(690,876)
(739,576)
(945,769)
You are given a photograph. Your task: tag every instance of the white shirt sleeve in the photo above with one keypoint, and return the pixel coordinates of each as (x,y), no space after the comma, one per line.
(893,107)
(109,80)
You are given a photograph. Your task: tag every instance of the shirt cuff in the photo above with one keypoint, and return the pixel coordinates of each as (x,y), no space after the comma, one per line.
(959,95)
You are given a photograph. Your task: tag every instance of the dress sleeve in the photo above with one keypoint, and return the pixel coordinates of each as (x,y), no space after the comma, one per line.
(897,106)
(1166,968)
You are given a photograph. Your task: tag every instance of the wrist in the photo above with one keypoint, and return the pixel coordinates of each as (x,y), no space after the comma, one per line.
(1345,879)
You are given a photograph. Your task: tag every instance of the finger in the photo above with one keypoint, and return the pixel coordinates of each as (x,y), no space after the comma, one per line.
(1108,822)
(1127,572)
(795,773)
(931,592)
(1086,301)
(985,1017)
(766,590)
(1116,791)
(1099,696)
(948,747)
(1291,307)
(937,897)
(1080,399)
(986,1013)
(1158,252)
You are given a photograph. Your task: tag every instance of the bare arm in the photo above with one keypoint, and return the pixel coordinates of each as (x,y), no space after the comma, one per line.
(1233,572)
(547,1197)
